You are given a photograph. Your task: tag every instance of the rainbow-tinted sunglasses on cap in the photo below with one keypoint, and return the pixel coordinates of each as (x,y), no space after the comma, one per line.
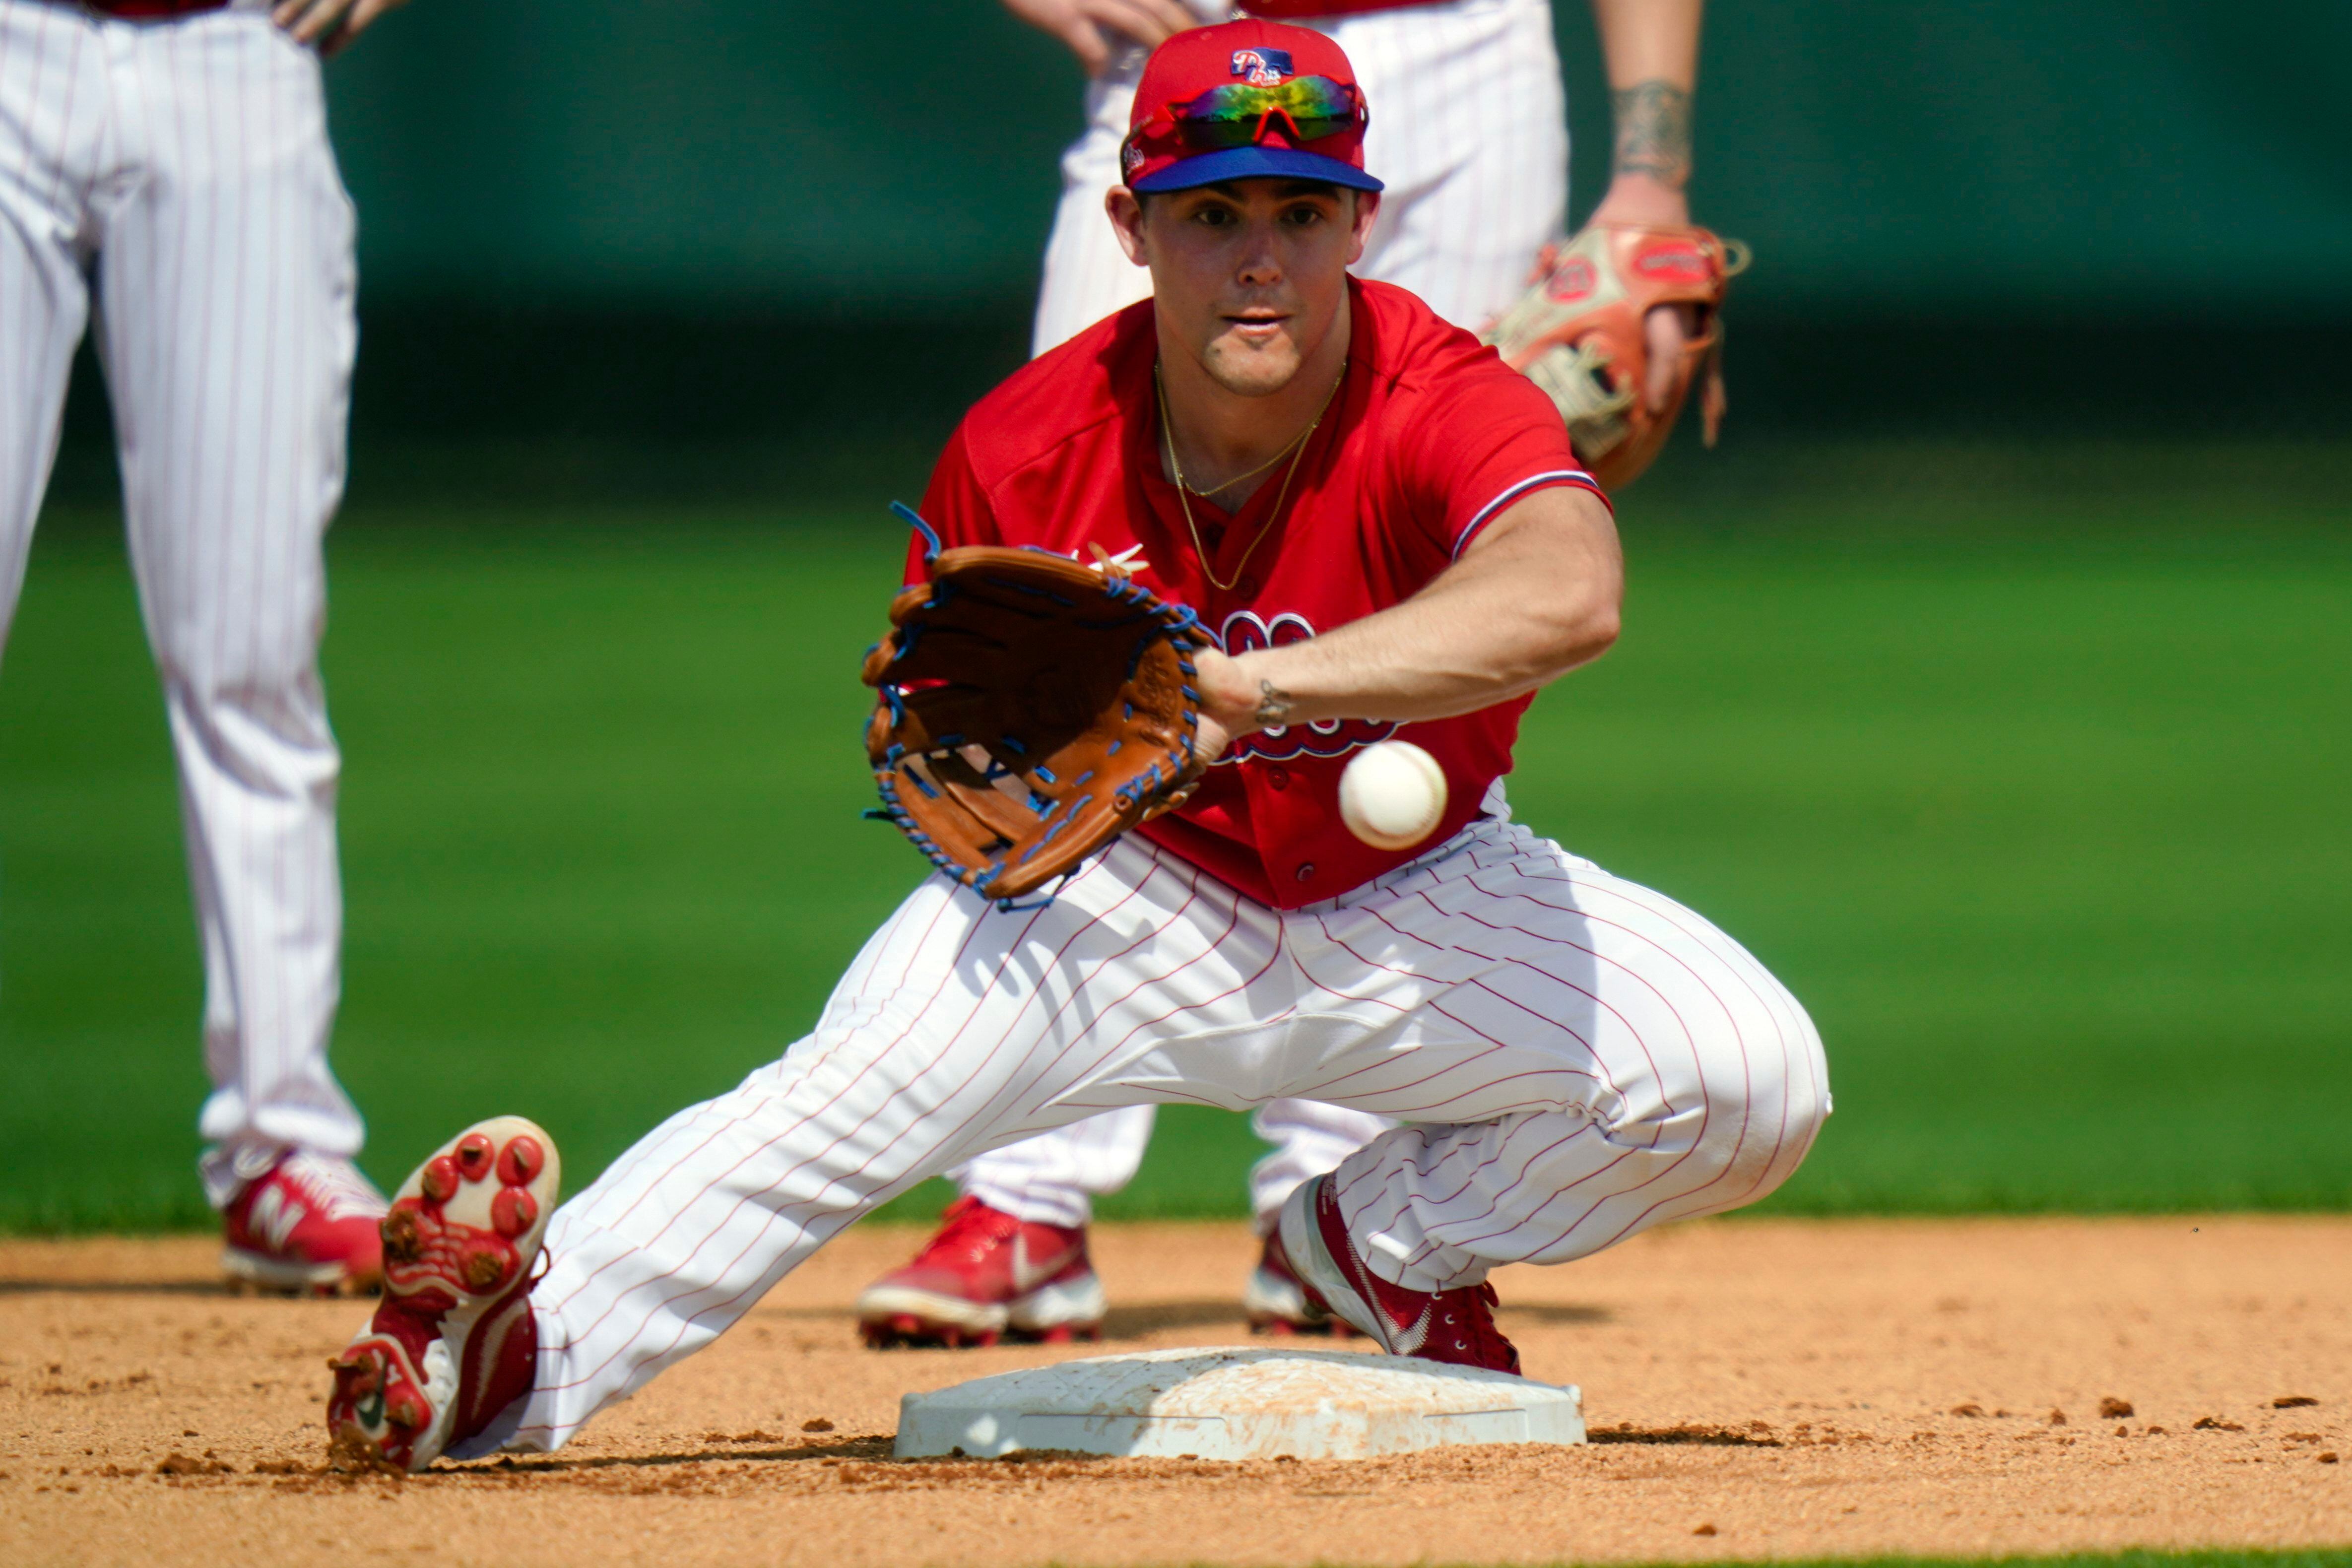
(1309,108)
(1245,99)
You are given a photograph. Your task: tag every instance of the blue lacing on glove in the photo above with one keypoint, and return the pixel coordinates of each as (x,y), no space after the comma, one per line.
(930,535)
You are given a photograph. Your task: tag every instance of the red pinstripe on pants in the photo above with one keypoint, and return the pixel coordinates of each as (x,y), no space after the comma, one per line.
(1576,1059)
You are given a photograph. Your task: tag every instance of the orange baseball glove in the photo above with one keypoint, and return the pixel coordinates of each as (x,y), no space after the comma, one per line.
(1577,333)
(1030,709)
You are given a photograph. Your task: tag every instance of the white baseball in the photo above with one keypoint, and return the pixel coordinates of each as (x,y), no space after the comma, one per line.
(1391,794)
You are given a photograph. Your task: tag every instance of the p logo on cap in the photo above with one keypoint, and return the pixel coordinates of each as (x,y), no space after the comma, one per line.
(1263,67)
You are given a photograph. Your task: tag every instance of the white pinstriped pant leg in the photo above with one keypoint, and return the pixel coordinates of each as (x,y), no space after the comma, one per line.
(225,287)
(1308,1138)
(52,122)
(957,1028)
(1470,134)
(1087,275)
(1052,1178)
(1582,1059)
(1602,1059)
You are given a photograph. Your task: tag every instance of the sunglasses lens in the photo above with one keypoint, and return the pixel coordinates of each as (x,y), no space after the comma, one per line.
(1218,133)
(1235,116)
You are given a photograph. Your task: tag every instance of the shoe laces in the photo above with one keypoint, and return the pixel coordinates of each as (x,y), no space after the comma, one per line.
(334,1185)
(1462,1322)
(968,1231)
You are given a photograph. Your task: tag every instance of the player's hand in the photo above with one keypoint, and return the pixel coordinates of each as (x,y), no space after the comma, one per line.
(329,24)
(1087,25)
(1229,701)
(1639,200)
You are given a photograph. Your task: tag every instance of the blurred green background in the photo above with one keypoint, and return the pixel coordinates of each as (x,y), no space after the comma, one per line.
(1992,681)
(2029,781)
(698,250)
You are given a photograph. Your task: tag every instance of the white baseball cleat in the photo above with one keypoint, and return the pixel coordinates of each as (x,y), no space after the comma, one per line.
(453,1343)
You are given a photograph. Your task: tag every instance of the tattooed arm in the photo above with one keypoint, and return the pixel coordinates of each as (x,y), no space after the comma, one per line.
(1651,47)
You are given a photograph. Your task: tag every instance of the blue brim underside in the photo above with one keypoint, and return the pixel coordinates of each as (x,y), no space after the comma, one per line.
(1255,164)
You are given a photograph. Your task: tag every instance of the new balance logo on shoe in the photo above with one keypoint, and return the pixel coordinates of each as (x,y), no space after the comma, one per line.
(274,1215)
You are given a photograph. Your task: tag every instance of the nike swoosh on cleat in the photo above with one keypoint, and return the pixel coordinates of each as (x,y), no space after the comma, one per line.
(1027,1277)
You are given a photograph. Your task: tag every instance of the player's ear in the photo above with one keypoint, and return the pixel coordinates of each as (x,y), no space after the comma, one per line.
(1126,210)
(1368,208)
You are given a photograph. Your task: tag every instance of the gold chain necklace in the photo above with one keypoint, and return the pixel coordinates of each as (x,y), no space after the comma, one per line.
(1297,448)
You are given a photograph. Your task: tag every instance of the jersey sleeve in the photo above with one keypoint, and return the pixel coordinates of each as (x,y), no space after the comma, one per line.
(955,504)
(1483,437)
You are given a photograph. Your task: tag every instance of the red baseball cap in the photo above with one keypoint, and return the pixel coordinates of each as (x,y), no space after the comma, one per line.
(1241,100)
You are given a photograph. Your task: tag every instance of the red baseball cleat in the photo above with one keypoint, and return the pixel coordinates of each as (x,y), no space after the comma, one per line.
(1455,1326)
(309,1223)
(1279,1303)
(453,1343)
(987,1274)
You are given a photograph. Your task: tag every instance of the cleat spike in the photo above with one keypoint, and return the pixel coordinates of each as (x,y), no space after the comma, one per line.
(484,1270)
(473,1156)
(512,1210)
(440,1178)
(519,1165)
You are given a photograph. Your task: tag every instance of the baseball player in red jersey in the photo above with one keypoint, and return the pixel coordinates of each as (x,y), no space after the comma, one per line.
(168,160)
(1406,546)
(1472,140)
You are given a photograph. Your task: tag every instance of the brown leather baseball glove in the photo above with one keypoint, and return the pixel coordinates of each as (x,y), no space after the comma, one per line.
(1030,710)
(1577,333)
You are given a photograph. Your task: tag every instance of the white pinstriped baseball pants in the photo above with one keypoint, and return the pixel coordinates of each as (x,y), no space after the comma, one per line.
(183,166)
(1578,1057)
(1469,132)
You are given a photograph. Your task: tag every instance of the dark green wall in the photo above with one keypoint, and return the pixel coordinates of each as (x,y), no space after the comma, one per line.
(618,238)
(2122,157)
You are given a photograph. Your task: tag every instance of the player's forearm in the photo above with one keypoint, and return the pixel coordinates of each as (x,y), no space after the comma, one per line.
(1534,598)
(1651,50)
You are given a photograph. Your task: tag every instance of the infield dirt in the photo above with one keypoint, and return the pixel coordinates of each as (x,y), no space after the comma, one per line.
(1755,1388)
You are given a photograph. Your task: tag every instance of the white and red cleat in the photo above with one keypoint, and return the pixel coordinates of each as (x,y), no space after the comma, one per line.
(306,1224)
(986,1275)
(1279,1302)
(1455,1326)
(453,1343)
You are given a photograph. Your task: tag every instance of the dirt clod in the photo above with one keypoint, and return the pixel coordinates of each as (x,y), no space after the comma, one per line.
(817,1423)
(1972,1408)
(2057,1418)
(2214,1424)
(2111,1408)
(1703,1530)
(2292,1401)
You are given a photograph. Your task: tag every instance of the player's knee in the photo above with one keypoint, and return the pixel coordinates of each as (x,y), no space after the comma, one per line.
(1758,1126)
(235,709)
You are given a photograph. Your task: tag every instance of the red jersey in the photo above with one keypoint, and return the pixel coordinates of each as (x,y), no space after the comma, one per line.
(1428,438)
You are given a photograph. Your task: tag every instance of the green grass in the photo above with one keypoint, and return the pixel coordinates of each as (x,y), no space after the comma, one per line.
(2036,799)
